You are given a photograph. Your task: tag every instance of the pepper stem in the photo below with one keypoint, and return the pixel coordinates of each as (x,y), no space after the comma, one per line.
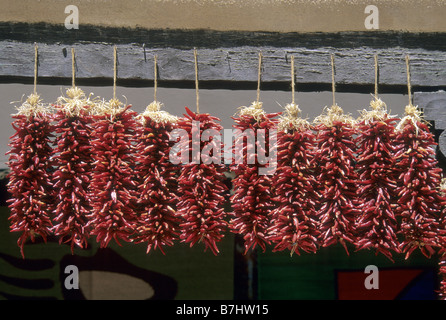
(33,107)
(292,120)
(154,112)
(334,114)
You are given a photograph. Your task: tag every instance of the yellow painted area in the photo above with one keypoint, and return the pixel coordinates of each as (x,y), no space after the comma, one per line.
(246,15)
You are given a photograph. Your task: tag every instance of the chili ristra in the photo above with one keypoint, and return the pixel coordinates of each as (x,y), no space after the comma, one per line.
(29,162)
(376,163)
(442,275)
(158,221)
(442,240)
(113,186)
(336,177)
(72,160)
(201,184)
(293,224)
(252,192)
(419,201)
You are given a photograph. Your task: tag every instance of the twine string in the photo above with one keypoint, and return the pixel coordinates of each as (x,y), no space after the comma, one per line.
(114,71)
(376,76)
(292,79)
(36,57)
(409,89)
(413,114)
(333,84)
(259,75)
(155,78)
(73,68)
(196,80)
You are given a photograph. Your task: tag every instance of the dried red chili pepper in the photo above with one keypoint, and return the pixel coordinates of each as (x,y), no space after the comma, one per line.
(113,185)
(201,186)
(442,276)
(29,162)
(158,223)
(252,190)
(294,223)
(419,202)
(377,224)
(73,161)
(442,242)
(334,162)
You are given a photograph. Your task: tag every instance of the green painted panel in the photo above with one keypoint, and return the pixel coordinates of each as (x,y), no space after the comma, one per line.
(313,276)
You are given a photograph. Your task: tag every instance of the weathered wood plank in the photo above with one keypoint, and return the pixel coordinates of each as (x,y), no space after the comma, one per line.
(223,56)
(353,65)
(434,110)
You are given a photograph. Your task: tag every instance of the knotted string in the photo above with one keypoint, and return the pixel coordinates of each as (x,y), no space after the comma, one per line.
(256,108)
(73,68)
(335,113)
(155,85)
(376,76)
(33,106)
(36,57)
(413,114)
(196,81)
(409,89)
(114,71)
(292,79)
(333,84)
(259,75)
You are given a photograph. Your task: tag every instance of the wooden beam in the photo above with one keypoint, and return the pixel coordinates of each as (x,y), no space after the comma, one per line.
(226,56)
(135,61)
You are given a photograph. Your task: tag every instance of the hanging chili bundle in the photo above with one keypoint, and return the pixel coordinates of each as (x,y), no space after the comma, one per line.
(419,202)
(72,159)
(113,185)
(442,240)
(294,224)
(252,194)
(336,177)
(29,162)
(201,187)
(442,275)
(377,224)
(158,222)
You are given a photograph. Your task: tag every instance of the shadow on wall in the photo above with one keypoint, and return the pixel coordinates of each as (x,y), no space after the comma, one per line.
(104,276)
(108,276)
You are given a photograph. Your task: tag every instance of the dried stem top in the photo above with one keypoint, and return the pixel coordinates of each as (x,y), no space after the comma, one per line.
(76,102)
(255,110)
(33,107)
(414,115)
(291,119)
(154,112)
(334,114)
(378,112)
(110,108)
(443,185)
